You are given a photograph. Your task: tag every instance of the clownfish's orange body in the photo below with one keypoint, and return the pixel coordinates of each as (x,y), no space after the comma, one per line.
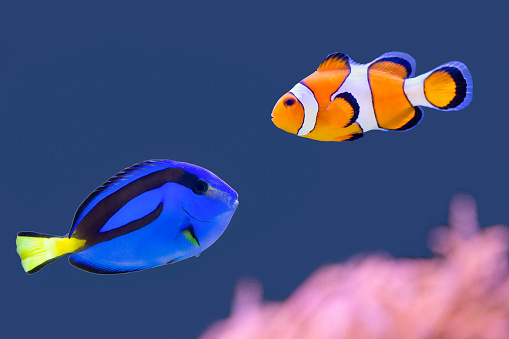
(344,99)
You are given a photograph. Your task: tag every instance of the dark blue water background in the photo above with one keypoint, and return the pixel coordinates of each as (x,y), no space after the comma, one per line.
(88,88)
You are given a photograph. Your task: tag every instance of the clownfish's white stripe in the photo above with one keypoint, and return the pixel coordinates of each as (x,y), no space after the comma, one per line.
(358,85)
(308,101)
(414,91)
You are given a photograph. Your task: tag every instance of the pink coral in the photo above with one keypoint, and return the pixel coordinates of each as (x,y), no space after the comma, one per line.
(463,292)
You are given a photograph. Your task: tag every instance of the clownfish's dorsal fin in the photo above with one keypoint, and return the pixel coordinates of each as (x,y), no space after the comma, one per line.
(335,61)
(396,63)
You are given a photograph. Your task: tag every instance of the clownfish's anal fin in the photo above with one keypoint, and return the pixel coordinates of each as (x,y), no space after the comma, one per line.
(350,133)
(335,61)
(349,137)
(343,111)
(399,64)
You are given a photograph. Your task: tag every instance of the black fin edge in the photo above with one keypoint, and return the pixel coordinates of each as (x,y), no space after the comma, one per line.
(96,270)
(412,122)
(175,260)
(461,86)
(355,137)
(41,266)
(35,235)
(337,56)
(353,102)
(399,61)
(193,234)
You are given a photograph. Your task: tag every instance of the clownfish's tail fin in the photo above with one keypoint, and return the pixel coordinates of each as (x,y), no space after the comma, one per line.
(38,250)
(448,87)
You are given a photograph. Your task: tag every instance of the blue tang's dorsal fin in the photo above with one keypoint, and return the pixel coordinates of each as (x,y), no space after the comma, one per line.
(116,182)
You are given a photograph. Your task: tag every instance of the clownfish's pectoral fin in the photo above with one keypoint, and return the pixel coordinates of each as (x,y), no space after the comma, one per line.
(335,61)
(396,63)
(343,111)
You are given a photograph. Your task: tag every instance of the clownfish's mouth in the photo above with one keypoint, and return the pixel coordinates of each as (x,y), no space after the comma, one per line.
(189,214)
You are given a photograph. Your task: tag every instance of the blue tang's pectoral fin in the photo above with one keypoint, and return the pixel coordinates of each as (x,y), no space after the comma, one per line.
(186,244)
(191,236)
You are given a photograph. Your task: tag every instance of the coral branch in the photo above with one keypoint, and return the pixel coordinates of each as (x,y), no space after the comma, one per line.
(463,292)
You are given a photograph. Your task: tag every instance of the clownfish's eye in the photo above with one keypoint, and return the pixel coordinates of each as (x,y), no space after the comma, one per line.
(200,187)
(289,102)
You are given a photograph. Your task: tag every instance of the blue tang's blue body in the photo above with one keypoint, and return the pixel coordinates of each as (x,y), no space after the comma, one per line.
(150,214)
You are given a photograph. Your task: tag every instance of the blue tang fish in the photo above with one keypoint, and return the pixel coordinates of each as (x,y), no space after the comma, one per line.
(153,213)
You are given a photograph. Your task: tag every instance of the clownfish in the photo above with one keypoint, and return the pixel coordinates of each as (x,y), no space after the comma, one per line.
(150,214)
(344,99)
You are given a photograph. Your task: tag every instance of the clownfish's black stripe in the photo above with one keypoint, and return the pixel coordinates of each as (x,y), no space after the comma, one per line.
(93,221)
(399,61)
(412,122)
(348,97)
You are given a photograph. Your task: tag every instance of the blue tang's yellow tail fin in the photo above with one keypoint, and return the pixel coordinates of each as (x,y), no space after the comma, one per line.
(38,250)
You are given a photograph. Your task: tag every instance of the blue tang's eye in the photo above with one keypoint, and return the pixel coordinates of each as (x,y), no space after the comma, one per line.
(289,102)
(200,187)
